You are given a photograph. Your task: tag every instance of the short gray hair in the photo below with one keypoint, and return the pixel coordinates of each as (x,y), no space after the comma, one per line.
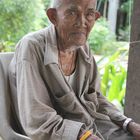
(57,3)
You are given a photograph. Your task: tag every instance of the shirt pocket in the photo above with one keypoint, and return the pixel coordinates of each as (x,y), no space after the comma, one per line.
(65,100)
(91,99)
(66,104)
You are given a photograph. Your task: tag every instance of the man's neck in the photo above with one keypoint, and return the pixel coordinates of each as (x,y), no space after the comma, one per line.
(67,60)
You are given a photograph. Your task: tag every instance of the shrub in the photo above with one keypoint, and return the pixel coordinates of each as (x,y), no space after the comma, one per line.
(113,76)
(101,38)
(19,17)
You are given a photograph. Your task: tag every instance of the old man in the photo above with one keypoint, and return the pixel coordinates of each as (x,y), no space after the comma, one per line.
(55,83)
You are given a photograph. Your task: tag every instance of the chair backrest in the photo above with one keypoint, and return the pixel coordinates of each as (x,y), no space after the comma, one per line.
(6,131)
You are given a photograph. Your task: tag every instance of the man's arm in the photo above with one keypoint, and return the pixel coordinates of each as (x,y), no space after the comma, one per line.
(132,127)
(38,118)
(105,107)
(109,109)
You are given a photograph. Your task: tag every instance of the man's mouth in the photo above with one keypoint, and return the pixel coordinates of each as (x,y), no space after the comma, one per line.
(79,33)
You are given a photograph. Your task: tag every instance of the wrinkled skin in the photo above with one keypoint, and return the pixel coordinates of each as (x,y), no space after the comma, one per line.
(74,20)
(134,128)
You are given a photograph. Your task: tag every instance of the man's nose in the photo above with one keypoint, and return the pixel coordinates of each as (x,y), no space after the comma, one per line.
(81,21)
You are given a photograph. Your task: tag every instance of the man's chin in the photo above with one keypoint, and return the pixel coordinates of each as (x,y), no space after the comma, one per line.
(79,44)
(74,47)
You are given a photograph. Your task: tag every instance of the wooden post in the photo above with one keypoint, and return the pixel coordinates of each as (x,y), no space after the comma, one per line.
(132,104)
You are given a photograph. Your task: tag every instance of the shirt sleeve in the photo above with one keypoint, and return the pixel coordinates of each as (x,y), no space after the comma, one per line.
(37,116)
(105,106)
(36,113)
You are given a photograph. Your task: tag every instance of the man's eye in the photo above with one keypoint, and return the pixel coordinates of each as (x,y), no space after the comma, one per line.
(90,15)
(72,13)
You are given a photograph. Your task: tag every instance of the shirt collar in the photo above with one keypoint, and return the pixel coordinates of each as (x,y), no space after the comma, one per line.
(85,52)
(51,50)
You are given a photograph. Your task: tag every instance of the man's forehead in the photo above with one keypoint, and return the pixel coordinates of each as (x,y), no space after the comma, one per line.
(74,3)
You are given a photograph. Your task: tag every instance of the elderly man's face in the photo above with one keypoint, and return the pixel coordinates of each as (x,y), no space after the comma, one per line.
(74,21)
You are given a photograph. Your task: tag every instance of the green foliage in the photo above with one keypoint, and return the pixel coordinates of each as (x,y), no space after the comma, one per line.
(45,20)
(101,39)
(127,6)
(46,3)
(19,17)
(114,73)
(124,31)
(7,46)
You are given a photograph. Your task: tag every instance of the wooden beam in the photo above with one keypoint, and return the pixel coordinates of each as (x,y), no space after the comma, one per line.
(132,103)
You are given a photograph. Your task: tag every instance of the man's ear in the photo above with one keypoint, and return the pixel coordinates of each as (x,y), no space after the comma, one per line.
(51,13)
(97,15)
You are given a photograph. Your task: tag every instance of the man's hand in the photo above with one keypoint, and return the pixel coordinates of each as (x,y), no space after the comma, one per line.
(134,128)
(93,137)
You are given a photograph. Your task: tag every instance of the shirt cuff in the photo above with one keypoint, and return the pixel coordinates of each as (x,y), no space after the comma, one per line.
(117,116)
(71,130)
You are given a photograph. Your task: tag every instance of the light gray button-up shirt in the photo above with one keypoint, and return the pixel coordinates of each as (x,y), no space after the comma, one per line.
(46,105)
